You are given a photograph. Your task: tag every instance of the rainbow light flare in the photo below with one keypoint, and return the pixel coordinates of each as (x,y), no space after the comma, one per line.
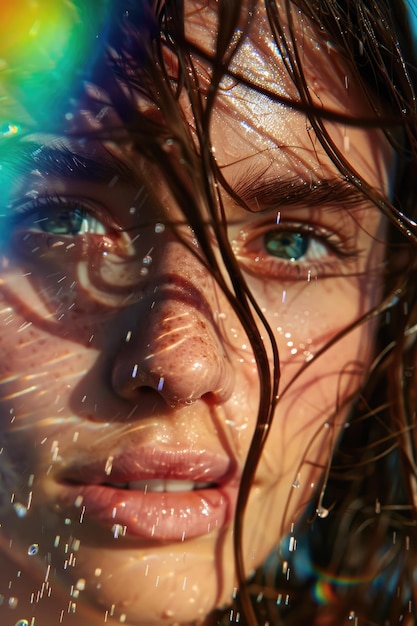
(34,35)
(46,47)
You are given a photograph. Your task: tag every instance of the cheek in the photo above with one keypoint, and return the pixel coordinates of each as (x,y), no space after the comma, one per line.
(40,362)
(315,394)
(305,317)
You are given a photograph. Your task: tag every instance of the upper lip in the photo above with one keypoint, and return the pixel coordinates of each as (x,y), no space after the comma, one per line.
(151,462)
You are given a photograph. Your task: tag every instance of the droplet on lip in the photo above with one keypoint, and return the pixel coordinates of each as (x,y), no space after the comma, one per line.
(118,530)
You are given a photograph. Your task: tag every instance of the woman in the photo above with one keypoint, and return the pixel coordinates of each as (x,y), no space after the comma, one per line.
(206,281)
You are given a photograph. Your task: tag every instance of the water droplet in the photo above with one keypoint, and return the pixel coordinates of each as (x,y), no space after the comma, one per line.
(118,530)
(80,584)
(352,615)
(13,602)
(33,549)
(296,483)
(20,509)
(22,622)
(159,228)
(322,512)
(109,465)
(78,501)
(147,260)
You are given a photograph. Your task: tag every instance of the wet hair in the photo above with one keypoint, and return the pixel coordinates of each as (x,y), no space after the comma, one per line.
(365,549)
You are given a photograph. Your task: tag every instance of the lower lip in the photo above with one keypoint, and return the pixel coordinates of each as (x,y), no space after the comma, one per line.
(167,516)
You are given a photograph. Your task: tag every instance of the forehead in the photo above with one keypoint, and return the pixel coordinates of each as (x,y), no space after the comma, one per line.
(257,122)
(266,45)
(279,65)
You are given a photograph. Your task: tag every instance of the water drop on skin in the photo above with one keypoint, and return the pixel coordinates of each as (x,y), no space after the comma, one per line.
(20,509)
(33,549)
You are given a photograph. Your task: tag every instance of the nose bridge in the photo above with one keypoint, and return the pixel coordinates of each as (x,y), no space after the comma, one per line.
(175,346)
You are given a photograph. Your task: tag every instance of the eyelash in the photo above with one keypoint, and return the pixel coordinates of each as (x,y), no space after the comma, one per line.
(250,250)
(48,207)
(249,247)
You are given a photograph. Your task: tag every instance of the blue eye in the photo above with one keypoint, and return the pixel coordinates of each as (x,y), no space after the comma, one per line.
(286,244)
(65,222)
(68,221)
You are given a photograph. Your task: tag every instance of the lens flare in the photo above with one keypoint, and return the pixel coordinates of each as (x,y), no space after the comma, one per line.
(47,48)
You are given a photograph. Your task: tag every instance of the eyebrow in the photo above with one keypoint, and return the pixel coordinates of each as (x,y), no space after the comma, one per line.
(100,166)
(258,192)
(263,192)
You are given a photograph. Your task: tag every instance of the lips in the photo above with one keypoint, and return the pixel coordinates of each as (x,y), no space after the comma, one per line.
(153,494)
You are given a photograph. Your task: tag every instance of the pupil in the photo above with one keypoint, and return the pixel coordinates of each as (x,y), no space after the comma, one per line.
(286,244)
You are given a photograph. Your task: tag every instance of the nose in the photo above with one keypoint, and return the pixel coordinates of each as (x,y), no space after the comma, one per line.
(173,343)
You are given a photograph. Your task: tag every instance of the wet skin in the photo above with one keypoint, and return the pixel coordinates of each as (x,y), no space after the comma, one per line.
(123,361)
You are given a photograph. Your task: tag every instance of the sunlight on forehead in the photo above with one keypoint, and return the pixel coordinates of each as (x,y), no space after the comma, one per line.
(257,124)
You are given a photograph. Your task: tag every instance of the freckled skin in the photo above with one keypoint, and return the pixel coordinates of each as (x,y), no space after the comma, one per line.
(96,356)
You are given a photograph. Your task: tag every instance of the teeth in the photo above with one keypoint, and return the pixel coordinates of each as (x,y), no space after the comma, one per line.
(162,485)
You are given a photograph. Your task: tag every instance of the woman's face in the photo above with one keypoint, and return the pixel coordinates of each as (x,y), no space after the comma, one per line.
(129,389)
